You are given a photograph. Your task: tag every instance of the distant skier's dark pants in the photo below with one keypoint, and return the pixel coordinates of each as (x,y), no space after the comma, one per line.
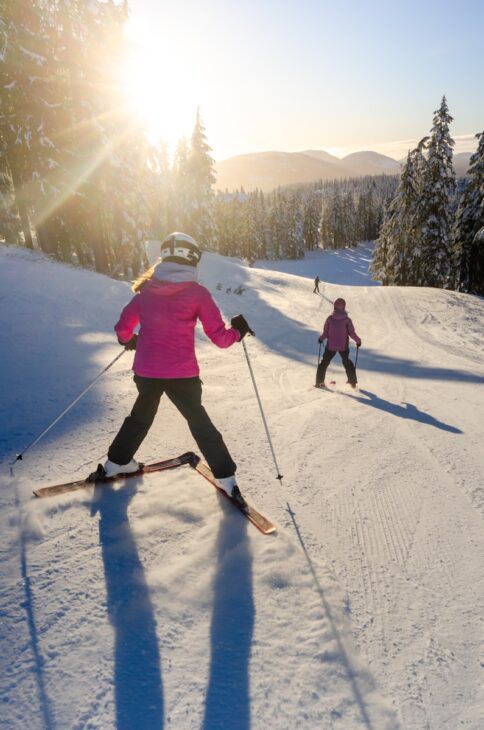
(186,395)
(348,365)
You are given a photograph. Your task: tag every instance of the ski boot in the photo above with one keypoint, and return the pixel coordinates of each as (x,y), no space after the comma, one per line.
(110,469)
(229,486)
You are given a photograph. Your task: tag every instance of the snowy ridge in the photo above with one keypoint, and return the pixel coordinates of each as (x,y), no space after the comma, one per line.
(157,605)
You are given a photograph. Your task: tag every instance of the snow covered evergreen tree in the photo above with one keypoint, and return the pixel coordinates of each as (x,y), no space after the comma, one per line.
(10,230)
(395,260)
(434,214)
(24,95)
(311,221)
(469,227)
(334,220)
(366,217)
(294,224)
(202,180)
(254,227)
(65,130)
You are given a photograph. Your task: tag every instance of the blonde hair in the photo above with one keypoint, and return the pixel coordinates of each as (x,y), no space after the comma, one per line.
(141,280)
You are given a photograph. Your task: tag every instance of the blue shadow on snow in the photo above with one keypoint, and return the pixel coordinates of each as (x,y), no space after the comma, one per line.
(227,705)
(137,669)
(45,707)
(372,360)
(407,410)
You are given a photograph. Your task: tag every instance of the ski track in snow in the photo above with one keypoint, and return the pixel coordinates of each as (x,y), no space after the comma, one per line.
(156,605)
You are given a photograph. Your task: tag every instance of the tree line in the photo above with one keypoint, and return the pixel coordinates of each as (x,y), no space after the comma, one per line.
(80,181)
(78,178)
(433,230)
(291,220)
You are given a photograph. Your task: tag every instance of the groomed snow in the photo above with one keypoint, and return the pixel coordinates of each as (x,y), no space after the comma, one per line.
(155,604)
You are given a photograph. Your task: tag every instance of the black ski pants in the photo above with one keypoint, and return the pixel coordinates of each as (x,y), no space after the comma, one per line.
(348,365)
(186,395)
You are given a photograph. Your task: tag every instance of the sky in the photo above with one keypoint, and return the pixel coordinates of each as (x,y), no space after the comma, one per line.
(307,74)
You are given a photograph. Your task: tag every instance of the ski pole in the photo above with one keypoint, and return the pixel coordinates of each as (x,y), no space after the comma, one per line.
(66,409)
(319,360)
(279,475)
(356,358)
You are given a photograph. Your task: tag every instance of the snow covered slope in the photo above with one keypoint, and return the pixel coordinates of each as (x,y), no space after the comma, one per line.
(156,604)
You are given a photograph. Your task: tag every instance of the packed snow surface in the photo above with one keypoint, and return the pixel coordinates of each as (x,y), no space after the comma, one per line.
(155,604)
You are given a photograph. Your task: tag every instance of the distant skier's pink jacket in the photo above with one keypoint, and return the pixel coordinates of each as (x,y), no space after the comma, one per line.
(168,313)
(338,328)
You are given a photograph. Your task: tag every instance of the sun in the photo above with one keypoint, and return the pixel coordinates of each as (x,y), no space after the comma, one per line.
(160,86)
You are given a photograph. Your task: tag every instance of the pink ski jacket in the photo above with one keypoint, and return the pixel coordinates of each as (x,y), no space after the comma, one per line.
(338,328)
(168,313)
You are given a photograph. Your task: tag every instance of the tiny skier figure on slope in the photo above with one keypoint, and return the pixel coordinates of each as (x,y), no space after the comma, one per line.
(316,285)
(168,302)
(338,328)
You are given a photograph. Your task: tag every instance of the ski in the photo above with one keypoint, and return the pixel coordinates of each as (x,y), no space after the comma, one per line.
(188,458)
(334,389)
(252,514)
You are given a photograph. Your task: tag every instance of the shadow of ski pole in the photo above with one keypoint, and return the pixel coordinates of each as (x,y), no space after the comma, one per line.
(44,701)
(350,672)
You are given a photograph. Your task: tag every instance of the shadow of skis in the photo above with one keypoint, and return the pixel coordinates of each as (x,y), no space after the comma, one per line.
(228,696)
(137,672)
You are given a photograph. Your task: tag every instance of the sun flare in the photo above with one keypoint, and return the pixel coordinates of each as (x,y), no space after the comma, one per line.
(160,86)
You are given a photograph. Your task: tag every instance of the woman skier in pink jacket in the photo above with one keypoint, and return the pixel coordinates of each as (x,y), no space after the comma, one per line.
(167,304)
(338,328)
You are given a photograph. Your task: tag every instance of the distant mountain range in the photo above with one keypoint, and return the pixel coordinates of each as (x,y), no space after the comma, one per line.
(269,170)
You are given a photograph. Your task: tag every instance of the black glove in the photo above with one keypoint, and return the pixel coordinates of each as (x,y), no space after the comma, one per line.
(130,344)
(320,340)
(240,323)
(358,344)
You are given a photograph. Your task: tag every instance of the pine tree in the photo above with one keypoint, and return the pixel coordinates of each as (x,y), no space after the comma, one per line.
(469,227)
(202,179)
(294,227)
(10,230)
(23,81)
(335,220)
(435,205)
(181,185)
(311,222)
(395,258)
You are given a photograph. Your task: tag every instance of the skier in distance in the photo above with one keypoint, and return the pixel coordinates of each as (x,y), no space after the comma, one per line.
(338,328)
(316,285)
(168,302)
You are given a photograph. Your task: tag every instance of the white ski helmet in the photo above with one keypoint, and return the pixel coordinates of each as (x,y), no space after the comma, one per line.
(180,248)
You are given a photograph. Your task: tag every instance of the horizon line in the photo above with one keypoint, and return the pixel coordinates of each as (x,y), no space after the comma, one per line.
(463,140)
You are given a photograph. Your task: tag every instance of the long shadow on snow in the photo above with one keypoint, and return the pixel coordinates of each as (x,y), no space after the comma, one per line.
(407,410)
(37,382)
(137,671)
(45,708)
(284,335)
(227,704)
(402,367)
(294,339)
